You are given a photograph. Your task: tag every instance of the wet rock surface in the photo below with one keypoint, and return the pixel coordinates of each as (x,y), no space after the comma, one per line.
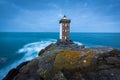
(70,62)
(13,72)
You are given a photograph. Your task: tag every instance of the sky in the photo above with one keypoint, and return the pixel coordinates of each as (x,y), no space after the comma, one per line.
(44,15)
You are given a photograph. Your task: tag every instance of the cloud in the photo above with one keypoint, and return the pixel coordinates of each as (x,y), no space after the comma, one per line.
(44,15)
(36,20)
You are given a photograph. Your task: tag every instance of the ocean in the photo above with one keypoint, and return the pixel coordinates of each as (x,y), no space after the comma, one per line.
(17,47)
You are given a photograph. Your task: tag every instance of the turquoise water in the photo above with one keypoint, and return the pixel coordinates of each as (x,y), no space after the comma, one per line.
(16,47)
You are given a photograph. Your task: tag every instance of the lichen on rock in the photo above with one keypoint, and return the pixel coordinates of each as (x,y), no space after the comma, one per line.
(66,59)
(70,60)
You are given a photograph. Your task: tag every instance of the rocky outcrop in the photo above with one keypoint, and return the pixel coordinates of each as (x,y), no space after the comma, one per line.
(63,46)
(70,62)
(13,72)
(46,48)
(108,66)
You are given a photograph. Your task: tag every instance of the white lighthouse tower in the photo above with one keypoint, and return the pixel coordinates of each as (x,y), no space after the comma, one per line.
(65,29)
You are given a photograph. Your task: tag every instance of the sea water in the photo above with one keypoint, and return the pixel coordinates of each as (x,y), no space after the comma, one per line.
(17,47)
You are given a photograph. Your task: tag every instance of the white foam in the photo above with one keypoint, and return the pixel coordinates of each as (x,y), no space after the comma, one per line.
(78,43)
(30,51)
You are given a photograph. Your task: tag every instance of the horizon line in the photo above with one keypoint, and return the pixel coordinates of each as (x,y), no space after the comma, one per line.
(53,32)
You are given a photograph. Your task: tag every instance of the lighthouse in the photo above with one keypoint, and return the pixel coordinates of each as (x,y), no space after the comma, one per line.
(64,29)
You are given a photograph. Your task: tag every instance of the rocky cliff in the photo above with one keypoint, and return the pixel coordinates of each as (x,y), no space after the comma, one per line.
(70,62)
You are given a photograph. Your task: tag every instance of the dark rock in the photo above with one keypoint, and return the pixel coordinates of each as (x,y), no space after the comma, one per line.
(49,46)
(113,60)
(22,64)
(112,74)
(72,46)
(41,52)
(45,49)
(101,50)
(13,72)
(103,67)
(118,55)
(115,53)
(72,74)
(59,42)
(28,72)
(59,76)
(46,65)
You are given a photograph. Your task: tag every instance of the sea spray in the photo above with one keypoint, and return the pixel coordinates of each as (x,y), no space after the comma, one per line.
(30,51)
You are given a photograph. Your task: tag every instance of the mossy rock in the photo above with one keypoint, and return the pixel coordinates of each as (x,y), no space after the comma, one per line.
(70,60)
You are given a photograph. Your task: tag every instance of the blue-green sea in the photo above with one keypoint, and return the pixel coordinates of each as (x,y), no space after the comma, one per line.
(17,47)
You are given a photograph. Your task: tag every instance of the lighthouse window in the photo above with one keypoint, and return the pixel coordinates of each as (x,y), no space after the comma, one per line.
(65,30)
(65,37)
(65,24)
(68,25)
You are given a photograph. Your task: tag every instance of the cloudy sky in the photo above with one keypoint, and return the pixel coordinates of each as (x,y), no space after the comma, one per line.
(44,15)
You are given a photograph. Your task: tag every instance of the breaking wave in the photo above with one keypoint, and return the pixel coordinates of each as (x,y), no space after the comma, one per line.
(30,51)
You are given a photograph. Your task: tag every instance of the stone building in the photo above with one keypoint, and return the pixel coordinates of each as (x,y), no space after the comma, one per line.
(65,29)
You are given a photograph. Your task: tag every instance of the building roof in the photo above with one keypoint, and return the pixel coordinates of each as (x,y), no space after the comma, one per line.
(64,20)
